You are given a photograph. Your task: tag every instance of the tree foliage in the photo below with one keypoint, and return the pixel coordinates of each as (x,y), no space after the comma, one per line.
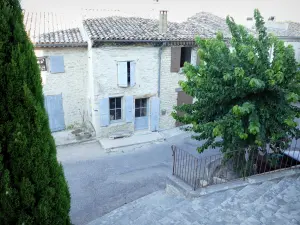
(33,189)
(244,91)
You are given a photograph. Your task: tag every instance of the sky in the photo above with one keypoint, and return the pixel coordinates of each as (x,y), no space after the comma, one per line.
(178,10)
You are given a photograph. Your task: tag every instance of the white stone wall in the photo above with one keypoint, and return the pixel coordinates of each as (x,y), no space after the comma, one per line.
(72,83)
(169,82)
(104,75)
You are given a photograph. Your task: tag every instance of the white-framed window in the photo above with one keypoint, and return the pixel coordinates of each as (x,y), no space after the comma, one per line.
(115,108)
(126,73)
(141,107)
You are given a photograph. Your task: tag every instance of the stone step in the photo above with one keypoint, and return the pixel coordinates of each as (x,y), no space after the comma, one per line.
(185,212)
(278,203)
(230,210)
(258,204)
(251,221)
(135,209)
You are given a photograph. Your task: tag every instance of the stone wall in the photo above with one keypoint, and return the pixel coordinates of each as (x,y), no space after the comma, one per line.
(169,82)
(105,81)
(72,84)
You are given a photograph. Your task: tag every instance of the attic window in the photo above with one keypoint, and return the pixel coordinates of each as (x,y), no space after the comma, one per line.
(185,55)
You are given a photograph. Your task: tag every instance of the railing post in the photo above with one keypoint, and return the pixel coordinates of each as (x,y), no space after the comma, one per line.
(195,184)
(173,147)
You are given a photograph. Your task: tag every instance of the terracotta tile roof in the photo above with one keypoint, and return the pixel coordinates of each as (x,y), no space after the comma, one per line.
(204,25)
(284,29)
(48,30)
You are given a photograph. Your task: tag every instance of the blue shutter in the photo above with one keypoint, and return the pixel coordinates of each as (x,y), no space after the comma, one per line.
(129,109)
(122,74)
(54,108)
(132,74)
(57,64)
(104,112)
(154,119)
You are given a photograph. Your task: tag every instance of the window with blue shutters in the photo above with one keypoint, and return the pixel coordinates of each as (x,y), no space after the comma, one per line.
(115,108)
(126,74)
(57,64)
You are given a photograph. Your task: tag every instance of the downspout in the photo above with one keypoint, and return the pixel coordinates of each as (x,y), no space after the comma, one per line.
(159,68)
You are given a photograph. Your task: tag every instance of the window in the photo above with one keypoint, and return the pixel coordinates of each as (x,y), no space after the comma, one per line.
(141,107)
(179,55)
(115,108)
(126,74)
(185,55)
(42,63)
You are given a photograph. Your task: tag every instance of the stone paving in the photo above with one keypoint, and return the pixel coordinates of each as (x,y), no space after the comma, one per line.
(102,181)
(271,202)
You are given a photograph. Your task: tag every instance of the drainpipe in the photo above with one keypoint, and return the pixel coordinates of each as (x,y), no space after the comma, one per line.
(159,68)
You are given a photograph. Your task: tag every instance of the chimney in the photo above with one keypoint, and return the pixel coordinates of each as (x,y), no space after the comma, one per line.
(163,21)
(271,18)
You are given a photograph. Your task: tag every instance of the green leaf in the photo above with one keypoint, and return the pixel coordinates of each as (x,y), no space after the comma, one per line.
(243,136)
(256,83)
(217,131)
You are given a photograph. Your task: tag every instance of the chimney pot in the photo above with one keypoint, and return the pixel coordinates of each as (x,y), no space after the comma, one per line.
(163,21)
(271,18)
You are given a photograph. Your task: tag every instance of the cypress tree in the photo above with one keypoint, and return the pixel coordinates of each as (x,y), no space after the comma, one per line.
(33,189)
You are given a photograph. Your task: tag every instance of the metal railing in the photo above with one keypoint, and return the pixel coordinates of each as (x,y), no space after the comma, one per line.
(200,171)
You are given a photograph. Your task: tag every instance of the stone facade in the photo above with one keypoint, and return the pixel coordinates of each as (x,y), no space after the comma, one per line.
(72,84)
(169,83)
(103,80)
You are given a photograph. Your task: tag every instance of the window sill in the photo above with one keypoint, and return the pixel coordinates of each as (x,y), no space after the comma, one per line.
(117,123)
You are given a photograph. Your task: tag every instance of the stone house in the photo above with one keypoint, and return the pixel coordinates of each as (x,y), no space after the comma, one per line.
(118,73)
(122,73)
(287,31)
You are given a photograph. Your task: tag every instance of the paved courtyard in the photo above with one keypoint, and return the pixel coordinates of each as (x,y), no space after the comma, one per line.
(101,182)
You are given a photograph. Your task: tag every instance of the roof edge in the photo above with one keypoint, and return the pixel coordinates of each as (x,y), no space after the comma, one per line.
(60,45)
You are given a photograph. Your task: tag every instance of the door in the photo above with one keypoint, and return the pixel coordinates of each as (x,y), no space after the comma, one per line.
(182,98)
(54,108)
(141,114)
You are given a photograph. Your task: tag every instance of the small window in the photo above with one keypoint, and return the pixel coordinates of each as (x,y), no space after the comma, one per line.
(126,74)
(141,107)
(42,62)
(115,108)
(185,55)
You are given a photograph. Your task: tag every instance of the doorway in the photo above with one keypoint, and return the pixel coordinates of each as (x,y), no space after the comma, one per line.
(141,114)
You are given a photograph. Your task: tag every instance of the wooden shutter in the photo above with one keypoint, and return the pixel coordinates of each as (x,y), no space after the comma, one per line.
(175,59)
(129,109)
(132,74)
(57,64)
(154,119)
(104,112)
(122,74)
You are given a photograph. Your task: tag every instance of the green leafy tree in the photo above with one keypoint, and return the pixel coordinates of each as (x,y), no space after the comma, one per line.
(244,93)
(33,189)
